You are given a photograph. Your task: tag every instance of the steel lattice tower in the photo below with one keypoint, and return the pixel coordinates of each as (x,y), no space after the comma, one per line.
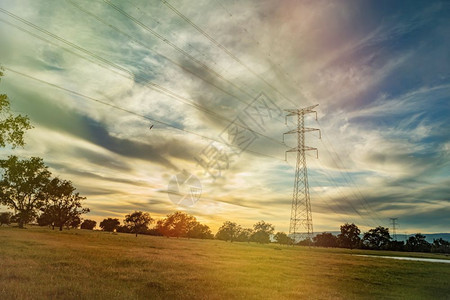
(394,228)
(301,217)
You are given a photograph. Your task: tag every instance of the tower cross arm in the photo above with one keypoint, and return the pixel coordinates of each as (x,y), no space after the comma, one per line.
(309,109)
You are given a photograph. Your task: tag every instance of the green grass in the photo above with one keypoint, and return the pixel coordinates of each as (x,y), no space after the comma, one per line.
(38,263)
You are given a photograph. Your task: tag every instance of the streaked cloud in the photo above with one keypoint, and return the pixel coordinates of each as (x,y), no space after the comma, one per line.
(380,72)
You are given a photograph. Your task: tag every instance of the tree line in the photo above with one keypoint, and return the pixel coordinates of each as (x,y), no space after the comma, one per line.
(261,232)
(378,239)
(182,225)
(177,224)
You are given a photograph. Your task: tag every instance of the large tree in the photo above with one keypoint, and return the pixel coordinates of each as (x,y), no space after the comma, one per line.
(109,224)
(283,239)
(229,231)
(88,224)
(12,127)
(22,186)
(440,245)
(200,231)
(178,224)
(138,221)
(62,204)
(377,238)
(262,231)
(349,236)
(418,243)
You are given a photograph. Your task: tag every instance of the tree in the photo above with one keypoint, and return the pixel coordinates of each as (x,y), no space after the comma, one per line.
(138,221)
(62,204)
(396,245)
(377,238)
(283,239)
(418,243)
(109,224)
(325,239)
(12,127)
(5,218)
(229,231)
(177,225)
(440,245)
(262,231)
(22,185)
(45,219)
(123,229)
(74,223)
(88,224)
(200,231)
(244,235)
(349,236)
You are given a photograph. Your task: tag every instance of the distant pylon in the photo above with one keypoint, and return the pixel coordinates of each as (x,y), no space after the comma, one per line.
(301,217)
(394,228)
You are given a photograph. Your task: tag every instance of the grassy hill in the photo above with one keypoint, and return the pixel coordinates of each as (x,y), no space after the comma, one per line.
(38,263)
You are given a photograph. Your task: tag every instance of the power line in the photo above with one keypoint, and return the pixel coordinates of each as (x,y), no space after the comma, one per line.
(178,49)
(344,197)
(168,59)
(152,85)
(223,48)
(159,54)
(176,36)
(134,76)
(268,54)
(345,175)
(131,112)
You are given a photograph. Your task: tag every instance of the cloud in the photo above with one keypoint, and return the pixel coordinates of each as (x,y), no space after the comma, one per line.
(379,72)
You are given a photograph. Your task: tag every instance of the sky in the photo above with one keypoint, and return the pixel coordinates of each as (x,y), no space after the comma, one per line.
(214,79)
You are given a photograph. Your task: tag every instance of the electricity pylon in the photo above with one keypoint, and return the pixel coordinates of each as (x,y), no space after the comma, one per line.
(394,229)
(301,217)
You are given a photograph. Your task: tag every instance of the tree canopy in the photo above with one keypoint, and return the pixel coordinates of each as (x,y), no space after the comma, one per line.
(417,243)
(12,127)
(22,186)
(377,238)
(109,224)
(178,224)
(88,224)
(229,231)
(283,239)
(349,236)
(138,221)
(325,239)
(262,231)
(62,205)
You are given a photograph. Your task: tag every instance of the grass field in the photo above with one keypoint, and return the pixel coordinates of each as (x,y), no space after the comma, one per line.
(38,263)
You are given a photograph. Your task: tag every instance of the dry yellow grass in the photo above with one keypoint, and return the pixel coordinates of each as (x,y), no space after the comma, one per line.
(38,263)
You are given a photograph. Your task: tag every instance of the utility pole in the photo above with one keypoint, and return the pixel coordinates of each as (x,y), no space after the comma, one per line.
(301,218)
(394,229)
